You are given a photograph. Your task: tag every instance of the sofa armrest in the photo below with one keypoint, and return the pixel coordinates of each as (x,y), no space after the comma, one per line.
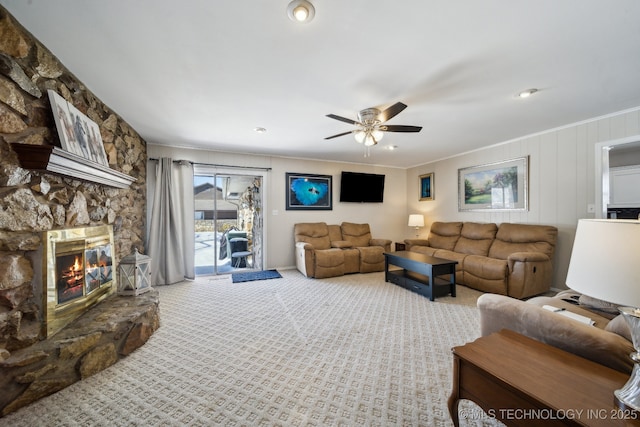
(385,243)
(416,242)
(304,246)
(529,274)
(607,348)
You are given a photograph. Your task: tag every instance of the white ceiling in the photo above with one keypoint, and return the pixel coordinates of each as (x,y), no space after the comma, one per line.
(204,73)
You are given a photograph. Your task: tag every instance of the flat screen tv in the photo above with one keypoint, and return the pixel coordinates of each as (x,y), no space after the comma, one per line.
(361,187)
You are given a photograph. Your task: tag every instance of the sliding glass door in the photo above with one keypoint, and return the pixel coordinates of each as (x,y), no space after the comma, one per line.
(228,222)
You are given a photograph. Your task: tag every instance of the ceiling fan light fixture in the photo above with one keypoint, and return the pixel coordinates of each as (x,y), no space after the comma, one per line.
(377,134)
(369,140)
(359,136)
(301,11)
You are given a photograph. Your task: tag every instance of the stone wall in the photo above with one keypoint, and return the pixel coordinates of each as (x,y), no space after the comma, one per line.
(32,202)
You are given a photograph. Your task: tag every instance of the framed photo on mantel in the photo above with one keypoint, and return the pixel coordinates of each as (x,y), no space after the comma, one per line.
(78,133)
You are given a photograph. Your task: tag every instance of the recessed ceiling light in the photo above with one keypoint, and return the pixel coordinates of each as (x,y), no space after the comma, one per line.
(260,130)
(527,93)
(301,11)
(392,147)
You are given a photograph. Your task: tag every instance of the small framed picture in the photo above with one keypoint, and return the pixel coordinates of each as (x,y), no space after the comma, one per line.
(426,187)
(309,192)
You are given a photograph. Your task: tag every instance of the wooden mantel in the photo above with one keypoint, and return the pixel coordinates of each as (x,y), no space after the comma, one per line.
(56,160)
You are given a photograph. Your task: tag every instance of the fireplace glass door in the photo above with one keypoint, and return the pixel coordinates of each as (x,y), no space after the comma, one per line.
(228,222)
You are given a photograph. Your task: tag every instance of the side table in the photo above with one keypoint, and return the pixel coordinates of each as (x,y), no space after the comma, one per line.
(523,382)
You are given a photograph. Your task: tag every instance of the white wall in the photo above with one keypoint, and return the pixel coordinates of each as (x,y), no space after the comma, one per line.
(387,220)
(561,180)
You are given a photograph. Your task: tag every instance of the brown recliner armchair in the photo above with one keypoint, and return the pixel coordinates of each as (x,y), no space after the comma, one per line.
(371,251)
(314,255)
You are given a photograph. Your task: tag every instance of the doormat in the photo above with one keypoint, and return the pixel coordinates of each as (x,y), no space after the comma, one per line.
(255,275)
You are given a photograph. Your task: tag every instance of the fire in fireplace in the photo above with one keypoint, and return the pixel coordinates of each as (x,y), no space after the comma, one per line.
(79,273)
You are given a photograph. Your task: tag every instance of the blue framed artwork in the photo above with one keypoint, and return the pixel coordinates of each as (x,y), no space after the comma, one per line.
(309,192)
(426,187)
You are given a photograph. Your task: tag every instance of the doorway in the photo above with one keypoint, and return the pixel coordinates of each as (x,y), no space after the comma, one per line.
(628,147)
(228,222)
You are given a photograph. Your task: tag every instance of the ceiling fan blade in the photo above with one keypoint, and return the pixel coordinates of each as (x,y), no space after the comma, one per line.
(392,111)
(343,119)
(400,128)
(340,134)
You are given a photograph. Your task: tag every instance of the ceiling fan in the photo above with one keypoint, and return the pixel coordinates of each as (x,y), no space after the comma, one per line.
(370,124)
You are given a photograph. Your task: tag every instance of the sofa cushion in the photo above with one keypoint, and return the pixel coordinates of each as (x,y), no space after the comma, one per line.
(427,250)
(523,238)
(335,232)
(314,233)
(341,244)
(371,258)
(358,234)
(444,235)
(329,263)
(488,268)
(476,238)
(452,256)
(351,260)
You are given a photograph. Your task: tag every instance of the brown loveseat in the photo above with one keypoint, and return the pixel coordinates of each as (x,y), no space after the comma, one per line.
(607,342)
(333,250)
(509,259)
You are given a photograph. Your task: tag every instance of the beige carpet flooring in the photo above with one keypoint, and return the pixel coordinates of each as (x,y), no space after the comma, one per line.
(344,351)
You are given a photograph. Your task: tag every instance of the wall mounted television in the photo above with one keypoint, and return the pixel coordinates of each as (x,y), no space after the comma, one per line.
(361,187)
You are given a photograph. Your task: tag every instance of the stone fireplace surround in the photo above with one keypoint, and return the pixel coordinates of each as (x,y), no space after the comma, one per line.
(34,202)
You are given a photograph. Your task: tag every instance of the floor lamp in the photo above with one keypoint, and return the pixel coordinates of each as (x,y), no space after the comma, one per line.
(605,264)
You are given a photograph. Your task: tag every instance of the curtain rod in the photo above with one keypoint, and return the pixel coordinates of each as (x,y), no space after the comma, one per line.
(216,164)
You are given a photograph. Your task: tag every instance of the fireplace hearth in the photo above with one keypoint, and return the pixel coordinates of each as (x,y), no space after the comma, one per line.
(79,273)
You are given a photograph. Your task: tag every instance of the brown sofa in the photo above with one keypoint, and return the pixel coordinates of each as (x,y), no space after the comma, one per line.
(607,342)
(333,250)
(509,259)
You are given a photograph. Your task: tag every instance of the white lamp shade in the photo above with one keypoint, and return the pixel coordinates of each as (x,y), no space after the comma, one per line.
(416,220)
(605,261)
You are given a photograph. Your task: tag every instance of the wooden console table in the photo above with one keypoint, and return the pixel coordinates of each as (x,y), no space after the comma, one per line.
(523,382)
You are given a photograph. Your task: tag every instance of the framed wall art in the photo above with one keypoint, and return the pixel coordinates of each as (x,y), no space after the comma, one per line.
(495,186)
(78,133)
(309,192)
(426,187)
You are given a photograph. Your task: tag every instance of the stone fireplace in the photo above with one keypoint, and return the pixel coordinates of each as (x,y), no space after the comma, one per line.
(51,337)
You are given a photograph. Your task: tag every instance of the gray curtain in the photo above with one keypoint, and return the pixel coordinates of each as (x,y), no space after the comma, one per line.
(171,233)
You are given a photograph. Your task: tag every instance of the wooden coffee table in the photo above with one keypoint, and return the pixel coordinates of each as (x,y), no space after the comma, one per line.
(523,382)
(421,273)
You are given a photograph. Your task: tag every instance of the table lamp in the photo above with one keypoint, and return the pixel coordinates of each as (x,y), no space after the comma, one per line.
(605,264)
(417,221)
